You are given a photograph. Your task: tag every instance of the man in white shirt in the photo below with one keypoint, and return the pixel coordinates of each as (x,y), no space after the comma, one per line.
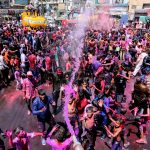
(2,63)
(139,62)
(4,70)
(23,61)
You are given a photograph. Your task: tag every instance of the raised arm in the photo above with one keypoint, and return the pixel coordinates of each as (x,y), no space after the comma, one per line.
(113,134)
(10,140)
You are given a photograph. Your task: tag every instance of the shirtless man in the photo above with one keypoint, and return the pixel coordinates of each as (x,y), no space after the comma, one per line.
(116,134)
(88,127)
(72,112)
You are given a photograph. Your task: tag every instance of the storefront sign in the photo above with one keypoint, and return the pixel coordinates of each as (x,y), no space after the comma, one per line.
(22,2)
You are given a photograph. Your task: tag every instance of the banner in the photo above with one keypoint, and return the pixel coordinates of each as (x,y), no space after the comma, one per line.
(22,2)
(124,19)
(120,1)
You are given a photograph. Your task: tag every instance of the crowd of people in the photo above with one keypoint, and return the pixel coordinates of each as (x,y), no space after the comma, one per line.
(109,59)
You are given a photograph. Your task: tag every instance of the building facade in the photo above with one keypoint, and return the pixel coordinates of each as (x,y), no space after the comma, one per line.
(115,7)
(4,4)
(138,8)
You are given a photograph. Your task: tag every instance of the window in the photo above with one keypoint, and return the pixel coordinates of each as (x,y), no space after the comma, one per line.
(133,6)
(145,6)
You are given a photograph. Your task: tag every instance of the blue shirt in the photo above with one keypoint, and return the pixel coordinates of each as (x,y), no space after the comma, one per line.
(38,104)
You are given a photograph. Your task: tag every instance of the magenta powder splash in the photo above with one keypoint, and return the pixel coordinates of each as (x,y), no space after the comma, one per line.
(77,42)
(68,91)
(67,97)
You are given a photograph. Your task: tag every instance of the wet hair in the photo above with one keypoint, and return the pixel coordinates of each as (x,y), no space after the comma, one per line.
(61,133)
(41,92)
(95,109)
(107,87)
(138,81)
(120,118)
(84,81)
(17,130)
(101,76)
(100,96)
(59,68)
(98,57)
(140,40)
(123,111)
(95,103)
(33,52)
(89,109)
(67,74)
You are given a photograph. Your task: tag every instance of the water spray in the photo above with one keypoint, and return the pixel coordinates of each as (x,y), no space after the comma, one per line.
(78,36)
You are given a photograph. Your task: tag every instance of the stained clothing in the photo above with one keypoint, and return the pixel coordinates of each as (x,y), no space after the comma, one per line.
(2,63)
(29,88)
(120,84)
(23,143)
(2,143)
(38,104)
(59,146)
(57,82)
(43,117)
(139,63)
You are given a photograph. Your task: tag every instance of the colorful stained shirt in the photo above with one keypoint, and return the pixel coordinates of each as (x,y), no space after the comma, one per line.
(23,143)
(29,88)
(59,146)
(48,63)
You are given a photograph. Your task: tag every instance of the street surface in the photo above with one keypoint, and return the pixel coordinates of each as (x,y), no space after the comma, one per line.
(13,112)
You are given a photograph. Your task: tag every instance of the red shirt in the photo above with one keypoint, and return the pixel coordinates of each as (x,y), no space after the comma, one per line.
(32,61)
(17,62)
(81,105)
(68,66)
(12,61)
(54,36)
(48,63)
(25,30)
(123,44)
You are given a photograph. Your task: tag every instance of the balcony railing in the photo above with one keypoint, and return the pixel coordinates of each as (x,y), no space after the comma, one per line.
(51,1)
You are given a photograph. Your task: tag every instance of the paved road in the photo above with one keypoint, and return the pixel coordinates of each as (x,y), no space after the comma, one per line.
(13,113)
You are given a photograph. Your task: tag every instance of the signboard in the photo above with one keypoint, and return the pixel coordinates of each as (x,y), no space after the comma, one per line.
(111,1)
(120,1)
(22,2)
(61,6)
